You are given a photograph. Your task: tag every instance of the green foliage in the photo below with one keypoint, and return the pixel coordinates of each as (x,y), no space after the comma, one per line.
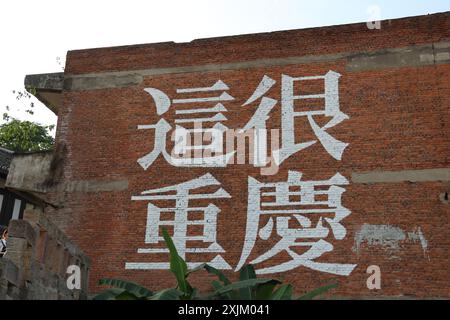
(110,294)
(241,290)
(317,292)
(264,291)
(246,273)
(178,267)
(167,294)
(132,288)
(249,287)
(25,136)
(284,292)
(218,273)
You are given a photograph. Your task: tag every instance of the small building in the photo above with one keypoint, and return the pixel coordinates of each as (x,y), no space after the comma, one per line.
(38,252)
(12,203)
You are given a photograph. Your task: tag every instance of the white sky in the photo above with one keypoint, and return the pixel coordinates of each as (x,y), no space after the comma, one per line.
(35,32)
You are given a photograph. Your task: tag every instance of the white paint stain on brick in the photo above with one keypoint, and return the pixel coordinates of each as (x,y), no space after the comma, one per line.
(417,235)
(389,237)
(379,235)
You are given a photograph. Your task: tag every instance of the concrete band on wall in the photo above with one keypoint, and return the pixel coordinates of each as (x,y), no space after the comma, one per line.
(413,56)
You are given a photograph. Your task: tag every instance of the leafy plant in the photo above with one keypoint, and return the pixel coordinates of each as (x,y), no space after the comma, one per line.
(179,268)
(249,287)
(123,290)
(25,136)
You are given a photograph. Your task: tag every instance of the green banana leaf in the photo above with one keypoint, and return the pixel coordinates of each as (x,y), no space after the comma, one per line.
(249,287)
(131,287)
(264,291)
(167,294)
(127,296)
(198,268)
(283,293)
(246,273)
(108,294)
(218,273)
(317,292)
(250,283)
(217,286)
(177,265)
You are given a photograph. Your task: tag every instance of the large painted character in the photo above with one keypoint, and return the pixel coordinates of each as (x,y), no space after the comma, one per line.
(331,108)
(326,214)
(181,195)
(187,126)
(313,219)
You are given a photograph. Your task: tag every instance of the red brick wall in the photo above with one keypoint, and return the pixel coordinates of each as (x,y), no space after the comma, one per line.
(398,121)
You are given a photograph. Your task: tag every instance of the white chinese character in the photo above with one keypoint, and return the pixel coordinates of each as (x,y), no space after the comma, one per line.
(258,122)
(305,210)
(187,126)
(288,144)
(181,210)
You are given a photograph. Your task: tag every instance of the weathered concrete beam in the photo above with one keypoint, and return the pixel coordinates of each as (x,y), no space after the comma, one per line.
(400,57)
(47,88)
(119,79)
(45,81)
(103,82)
(412,56)
(29,172)
(94,186)
(428,175)
(35,173)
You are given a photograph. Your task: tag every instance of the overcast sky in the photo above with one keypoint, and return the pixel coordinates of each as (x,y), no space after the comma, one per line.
(34,34)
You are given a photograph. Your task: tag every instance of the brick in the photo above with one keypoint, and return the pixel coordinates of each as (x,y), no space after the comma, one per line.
(398,111)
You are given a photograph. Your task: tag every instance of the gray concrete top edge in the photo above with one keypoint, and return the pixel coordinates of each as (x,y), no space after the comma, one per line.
(45,81)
